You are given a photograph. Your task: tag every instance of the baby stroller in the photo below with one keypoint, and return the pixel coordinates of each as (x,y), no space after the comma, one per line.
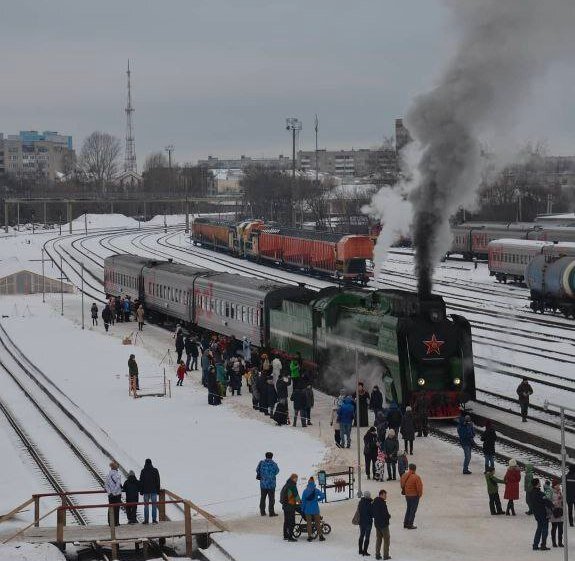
(301,526)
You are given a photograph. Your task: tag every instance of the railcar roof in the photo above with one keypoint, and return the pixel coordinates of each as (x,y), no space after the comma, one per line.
(129,258)
(528,243)
(305,234)
(249,283)
(179,269)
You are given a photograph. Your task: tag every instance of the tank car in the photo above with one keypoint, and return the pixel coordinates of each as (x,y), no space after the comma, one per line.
(551,282)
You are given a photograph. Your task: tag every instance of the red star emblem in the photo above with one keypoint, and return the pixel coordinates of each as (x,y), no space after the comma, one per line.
(433,345)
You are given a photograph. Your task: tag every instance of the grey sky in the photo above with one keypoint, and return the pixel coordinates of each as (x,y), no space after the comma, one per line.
(219,77)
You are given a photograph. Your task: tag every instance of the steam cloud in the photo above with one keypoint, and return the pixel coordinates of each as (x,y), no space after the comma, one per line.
(505,46)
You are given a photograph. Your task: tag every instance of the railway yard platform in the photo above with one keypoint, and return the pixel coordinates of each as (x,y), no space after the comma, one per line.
(195,528)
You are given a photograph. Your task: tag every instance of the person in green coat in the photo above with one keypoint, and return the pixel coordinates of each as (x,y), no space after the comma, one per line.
(222,378)
(493,491)
(528,486)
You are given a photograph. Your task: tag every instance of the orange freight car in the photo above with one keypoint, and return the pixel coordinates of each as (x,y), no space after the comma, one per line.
(337,255)
(213,234)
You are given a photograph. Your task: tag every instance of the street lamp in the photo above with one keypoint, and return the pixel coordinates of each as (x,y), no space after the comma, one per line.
(294,125)
(562,408)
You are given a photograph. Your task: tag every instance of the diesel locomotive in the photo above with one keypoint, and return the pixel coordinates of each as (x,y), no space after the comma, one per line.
(415,351)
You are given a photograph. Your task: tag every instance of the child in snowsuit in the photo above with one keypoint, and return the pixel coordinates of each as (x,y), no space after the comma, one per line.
(493,491)
(181,373)
(380,466)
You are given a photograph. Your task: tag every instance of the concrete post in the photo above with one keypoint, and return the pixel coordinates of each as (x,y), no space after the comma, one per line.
(6,216)
(36,510)
(45,212)
(18,216)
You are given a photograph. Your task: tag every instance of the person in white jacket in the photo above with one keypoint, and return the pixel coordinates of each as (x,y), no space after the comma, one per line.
(276,369)
(113,486)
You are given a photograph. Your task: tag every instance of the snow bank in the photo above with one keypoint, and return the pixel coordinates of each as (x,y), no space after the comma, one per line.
(30,552)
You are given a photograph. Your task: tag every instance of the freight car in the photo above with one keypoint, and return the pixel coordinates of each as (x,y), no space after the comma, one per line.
(337,256)
(551,282)
(408,345)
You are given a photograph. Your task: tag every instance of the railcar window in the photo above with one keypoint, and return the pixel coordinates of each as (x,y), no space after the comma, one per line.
(244,314)
(232,311)
(227,309)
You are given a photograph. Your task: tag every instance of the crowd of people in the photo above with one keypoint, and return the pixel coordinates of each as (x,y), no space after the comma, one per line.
(228,365)
(544,501)
(119,309)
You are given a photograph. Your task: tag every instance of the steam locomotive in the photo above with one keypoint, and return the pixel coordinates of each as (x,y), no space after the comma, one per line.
(415,350)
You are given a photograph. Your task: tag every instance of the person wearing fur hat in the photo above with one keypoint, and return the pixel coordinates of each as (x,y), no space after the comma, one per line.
(489,438)
(365,511)
(408,430)
(512,479)
(391,449)
(370,451)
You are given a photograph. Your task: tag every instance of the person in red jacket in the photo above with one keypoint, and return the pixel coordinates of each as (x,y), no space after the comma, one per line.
(512,479)
(181,373)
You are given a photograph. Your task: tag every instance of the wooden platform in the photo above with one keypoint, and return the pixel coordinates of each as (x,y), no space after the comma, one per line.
(124,532)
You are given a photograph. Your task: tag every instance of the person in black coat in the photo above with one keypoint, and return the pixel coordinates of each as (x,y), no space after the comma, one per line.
(376,400)
(107,316)
(150,487)
(281,413)
(262,386)
(191,348)
(132,489)
(381,519)
(489,438)
(363,405)
(365,522)
(180,345)
(394,417)
(213,388)
(370,450)
(540,506)
(408,430)
(570,492)
(299,404)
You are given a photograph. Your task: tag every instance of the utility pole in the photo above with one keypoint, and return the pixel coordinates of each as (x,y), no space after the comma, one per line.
(294,125)
(562,409)
(43,280)
(61,285)
(358,431)
(82,291)
(316,128)
(169,149)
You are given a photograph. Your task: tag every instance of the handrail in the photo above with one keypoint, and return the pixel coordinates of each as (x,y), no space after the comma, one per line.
(121,504)
(30,525)
(67,493)
(210,517)
(16,510)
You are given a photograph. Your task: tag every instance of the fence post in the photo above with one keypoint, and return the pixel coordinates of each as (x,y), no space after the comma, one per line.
(162,505)
(188,528)
(112,523)
(165,388)
(60,523)
(36,510)
(169,388)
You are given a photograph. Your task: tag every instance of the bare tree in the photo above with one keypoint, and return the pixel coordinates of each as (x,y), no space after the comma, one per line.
(155,160)
(100,157)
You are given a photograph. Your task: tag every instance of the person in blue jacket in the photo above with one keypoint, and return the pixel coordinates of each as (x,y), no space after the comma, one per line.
(266,473)
(310,508)
(466,433)
(345,415)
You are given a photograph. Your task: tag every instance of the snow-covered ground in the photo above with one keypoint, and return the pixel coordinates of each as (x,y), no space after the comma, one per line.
(209,454)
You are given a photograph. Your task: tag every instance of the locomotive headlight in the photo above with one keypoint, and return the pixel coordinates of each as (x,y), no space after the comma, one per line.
(457,381)
(421,382)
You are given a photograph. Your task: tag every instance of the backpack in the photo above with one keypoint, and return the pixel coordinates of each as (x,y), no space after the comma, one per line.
(258,472)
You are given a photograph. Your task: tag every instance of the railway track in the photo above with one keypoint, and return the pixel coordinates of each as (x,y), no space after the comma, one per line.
(70,442)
